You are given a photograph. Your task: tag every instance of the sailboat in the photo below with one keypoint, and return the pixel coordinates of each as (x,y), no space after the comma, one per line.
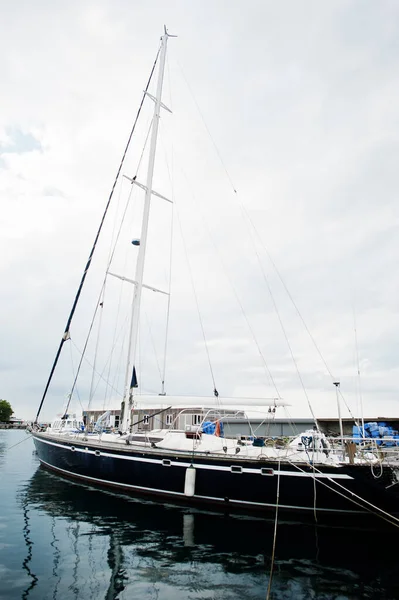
(197,464)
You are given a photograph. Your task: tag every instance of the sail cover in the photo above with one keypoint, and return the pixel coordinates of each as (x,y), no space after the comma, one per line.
(206,402)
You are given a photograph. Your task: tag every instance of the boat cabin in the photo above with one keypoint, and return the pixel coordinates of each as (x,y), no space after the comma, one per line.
(181,418)
(66,423)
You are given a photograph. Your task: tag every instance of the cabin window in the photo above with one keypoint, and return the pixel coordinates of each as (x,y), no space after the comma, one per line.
(146,419)
(169,419)
(197,419)
(116,420)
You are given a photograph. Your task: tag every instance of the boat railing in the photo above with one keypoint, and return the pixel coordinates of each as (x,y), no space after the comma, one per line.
(384,450)
(213,414)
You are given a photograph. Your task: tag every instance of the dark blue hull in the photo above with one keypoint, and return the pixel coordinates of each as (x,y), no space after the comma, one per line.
(226,481)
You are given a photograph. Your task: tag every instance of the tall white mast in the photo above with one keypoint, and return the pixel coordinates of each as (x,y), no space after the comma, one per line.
(134,328)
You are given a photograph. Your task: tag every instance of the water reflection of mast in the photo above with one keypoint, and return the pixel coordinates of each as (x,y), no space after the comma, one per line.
(56,559)
(26,562)
(75,534)
(93,583)
(115,563)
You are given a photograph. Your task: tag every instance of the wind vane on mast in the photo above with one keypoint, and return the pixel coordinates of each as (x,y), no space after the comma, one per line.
(166,32)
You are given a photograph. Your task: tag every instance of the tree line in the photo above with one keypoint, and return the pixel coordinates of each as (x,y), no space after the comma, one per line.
(5,411)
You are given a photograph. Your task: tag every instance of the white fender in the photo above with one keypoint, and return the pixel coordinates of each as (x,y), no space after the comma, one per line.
(189,484)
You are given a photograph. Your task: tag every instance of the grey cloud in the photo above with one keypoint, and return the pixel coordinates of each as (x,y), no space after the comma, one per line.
(19,142)
(53,192)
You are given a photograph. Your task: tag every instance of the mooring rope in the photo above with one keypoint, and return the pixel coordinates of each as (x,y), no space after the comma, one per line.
(378,511)
(17,444)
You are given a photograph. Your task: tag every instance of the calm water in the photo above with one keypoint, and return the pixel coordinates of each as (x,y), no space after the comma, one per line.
(63,540)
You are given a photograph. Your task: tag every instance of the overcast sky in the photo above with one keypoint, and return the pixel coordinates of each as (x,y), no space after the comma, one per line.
(301,100)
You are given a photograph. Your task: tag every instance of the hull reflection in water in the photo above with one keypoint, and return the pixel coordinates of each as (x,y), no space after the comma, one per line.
(108,546)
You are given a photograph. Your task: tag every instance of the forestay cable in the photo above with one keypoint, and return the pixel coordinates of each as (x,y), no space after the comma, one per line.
(66,334)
